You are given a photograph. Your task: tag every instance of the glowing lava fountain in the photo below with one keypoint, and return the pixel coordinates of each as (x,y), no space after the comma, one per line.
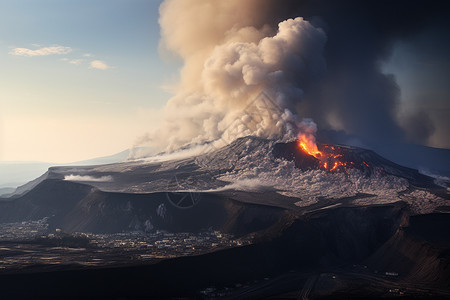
(329,160)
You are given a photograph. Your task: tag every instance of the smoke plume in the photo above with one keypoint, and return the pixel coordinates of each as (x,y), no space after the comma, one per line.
(236,52)
(232,68)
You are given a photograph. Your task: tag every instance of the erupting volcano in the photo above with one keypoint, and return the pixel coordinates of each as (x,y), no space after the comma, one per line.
(226,193)
(308,155)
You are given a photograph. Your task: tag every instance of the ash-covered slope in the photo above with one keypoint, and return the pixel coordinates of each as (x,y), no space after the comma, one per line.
(347,157)
(281,173)
(348,176)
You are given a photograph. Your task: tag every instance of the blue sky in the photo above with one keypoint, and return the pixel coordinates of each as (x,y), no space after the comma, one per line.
(79,79)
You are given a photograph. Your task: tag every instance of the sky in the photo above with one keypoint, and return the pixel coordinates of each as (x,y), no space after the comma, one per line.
(89,78)
(78,79)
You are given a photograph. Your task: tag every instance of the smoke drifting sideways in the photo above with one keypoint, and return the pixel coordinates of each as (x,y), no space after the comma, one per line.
(314,59)
(357,102)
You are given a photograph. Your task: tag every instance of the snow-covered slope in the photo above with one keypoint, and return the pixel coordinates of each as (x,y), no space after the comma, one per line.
(257,165)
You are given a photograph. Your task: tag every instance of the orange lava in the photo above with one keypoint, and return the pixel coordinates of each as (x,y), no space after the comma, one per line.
(309,146)
(328,160)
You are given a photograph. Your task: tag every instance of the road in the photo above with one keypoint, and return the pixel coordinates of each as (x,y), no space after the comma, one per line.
(307,287)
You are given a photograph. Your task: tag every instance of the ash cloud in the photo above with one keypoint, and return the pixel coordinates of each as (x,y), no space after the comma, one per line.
(420,126)
(316,59)
(355,96)
(231,57)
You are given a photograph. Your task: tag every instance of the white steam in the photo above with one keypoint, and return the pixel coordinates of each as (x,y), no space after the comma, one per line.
(73,177)
(238,79)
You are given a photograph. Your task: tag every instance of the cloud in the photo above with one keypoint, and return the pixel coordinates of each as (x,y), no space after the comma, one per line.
(98,64)
(41,51)
(73,61)
(59,50)
(72,177)
(76,61)
(149,156)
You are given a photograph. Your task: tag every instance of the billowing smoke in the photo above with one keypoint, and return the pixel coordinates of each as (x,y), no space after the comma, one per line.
(266,58)
(237,79)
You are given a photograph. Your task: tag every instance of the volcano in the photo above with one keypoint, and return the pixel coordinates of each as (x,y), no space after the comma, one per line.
(300,219)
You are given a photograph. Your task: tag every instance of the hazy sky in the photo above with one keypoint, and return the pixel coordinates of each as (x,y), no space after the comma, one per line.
(78,79)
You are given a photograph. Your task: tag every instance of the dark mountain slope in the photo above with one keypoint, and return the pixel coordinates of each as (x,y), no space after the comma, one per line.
(78,207)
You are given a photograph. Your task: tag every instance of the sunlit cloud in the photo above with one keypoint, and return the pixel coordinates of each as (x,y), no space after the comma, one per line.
(73,61)
(98,64)
(41,51)
(60,50)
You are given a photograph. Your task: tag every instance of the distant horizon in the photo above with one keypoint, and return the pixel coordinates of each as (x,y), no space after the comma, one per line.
(130,148)
(65,162)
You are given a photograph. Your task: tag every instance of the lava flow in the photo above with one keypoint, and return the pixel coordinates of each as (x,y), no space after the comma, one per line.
(331,157)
